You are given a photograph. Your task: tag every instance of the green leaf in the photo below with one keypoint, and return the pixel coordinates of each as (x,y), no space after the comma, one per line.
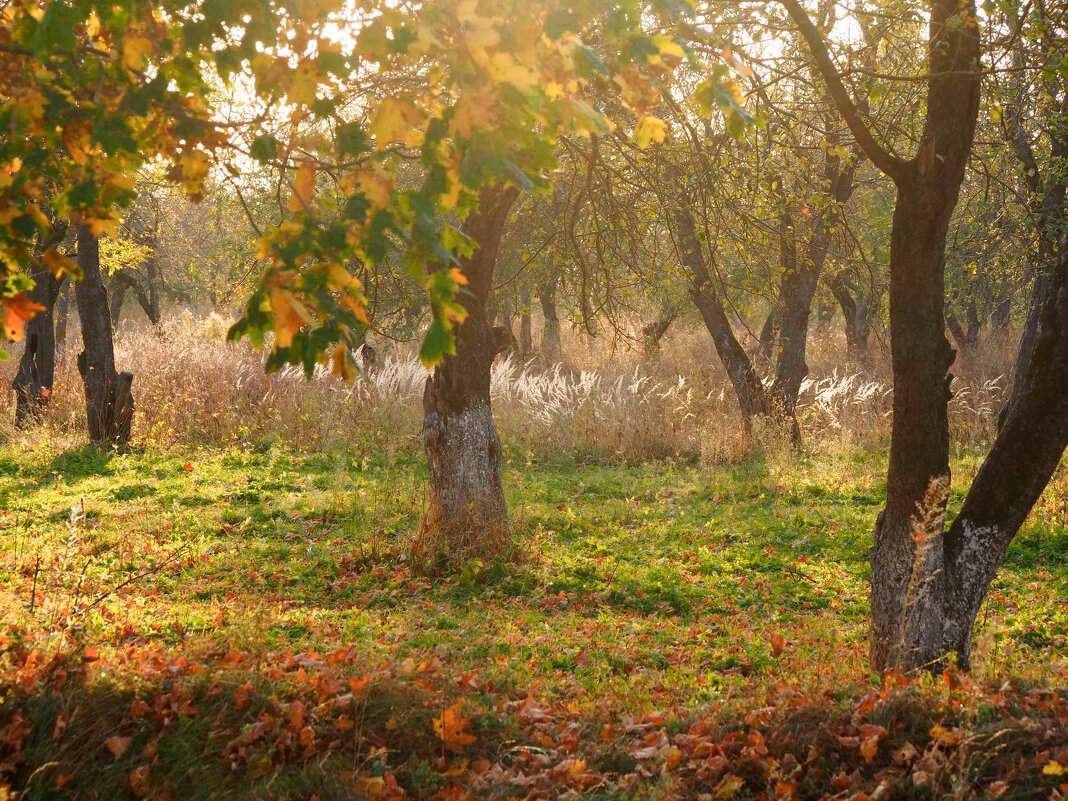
(437,342)
(264,148)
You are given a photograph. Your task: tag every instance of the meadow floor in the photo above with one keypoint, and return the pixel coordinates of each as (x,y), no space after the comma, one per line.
(230,624)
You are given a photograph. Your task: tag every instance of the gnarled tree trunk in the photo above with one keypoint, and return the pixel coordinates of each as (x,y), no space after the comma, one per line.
(467,515)
(37,368)
(526,339)
(857,311)
(908,594)
(752,399)
(551,346)
(108,399)
(799,283)
(1028,448)
(654,331)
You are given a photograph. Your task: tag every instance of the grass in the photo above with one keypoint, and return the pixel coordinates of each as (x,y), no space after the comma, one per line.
(244,623)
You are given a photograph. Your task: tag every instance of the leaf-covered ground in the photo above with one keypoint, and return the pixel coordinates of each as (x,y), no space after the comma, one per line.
(231,624)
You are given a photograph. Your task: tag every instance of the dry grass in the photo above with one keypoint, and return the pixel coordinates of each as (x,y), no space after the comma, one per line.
(607,404)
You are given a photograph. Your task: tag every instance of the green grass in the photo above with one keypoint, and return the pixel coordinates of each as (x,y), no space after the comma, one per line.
(634,589)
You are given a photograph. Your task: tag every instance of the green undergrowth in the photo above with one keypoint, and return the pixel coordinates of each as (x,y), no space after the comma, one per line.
(221,587)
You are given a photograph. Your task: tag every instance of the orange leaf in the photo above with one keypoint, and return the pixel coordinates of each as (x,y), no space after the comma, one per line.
(117,745)
(777,644)
(241,695)
(17,311)
(295,711)
(450,728)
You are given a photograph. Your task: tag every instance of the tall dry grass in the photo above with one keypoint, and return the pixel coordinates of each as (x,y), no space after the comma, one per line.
(193,388)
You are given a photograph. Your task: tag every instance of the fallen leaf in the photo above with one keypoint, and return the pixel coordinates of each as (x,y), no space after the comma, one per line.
(450,728)
(117,745)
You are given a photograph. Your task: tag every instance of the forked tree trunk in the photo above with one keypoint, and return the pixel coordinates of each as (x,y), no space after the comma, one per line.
(907,560)
(856,311)
(62,315)
(766,340)
(1028,448)
(551,347)
(653,332)
(752,399)
(908,595)
(467,515)
(799,282)
(37,368)
(526,339)
(108,399)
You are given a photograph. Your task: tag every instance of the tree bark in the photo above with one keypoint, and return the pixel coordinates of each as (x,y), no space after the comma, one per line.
(907,560)
(653,332)
(108,400)
(766,340)
(752,399)
(551,346)
(857,311)
(1026,452)
(526,340)
(118,296)
(799,283)
(62,315)
(37,368)
(467,516)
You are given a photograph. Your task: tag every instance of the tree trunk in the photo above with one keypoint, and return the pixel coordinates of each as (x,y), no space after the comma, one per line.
(108,400)
(752,399)
(526,341)
(797,291)
(37,368)
(851,317)
(551,347)
(766,341)
(907,557)
(62,315)
(653,332)
(467,516)
(907,594)
(1028,448)
(118,296)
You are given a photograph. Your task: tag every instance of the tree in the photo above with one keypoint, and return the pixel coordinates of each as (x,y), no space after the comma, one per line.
(928,583)
(109,401)
(467,514)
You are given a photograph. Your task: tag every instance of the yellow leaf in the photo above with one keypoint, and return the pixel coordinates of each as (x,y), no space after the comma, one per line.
(393,122)
(58,264)
(1053,768)
(99,226)
(304,84)
(289,316)
(457,275)
(195,165)
(649,129)
(303,187)
(134,50)
(341,364)
(472,113)
(669,47)
(340,278)
(76,138)
(375,187)
(450,728)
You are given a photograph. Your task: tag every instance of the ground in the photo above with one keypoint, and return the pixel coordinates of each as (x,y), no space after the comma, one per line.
(248,624)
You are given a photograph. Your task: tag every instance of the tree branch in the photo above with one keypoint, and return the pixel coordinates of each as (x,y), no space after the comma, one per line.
(892,165)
